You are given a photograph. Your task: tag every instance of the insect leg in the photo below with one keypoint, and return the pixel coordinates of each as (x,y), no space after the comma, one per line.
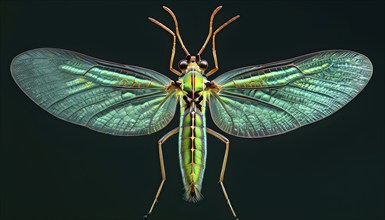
(213,42)
(173,45)
(163,171)
(227,142)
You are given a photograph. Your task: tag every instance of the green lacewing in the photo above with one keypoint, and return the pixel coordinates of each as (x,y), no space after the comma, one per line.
(250,102)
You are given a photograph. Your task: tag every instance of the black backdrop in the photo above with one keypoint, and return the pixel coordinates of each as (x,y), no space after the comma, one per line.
(333,169)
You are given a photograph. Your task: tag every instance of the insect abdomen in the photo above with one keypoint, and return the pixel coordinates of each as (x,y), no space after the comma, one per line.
(192,153)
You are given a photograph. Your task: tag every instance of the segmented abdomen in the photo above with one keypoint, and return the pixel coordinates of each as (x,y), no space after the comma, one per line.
(192,152)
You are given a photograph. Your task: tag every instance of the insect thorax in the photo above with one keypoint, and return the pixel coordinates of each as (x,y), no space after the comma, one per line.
(193,86)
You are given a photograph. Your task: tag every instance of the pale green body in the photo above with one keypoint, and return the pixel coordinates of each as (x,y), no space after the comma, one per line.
(192,132)
(250,102)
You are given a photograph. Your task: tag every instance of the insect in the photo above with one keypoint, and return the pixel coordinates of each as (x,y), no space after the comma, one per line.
(250,102)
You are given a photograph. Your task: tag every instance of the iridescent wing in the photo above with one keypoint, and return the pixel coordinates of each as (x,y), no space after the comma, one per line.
(272,99)
(104,96)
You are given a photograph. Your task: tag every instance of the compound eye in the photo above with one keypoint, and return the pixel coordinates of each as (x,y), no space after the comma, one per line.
(183,65)
(203,65)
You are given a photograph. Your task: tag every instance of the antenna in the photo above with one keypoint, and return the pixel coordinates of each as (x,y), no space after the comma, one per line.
(210,29)
(177,29)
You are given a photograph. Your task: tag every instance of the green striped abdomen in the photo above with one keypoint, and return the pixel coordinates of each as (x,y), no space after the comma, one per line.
(192,151)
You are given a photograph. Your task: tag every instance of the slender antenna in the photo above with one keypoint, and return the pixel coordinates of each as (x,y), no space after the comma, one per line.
(177,29)
(210,29)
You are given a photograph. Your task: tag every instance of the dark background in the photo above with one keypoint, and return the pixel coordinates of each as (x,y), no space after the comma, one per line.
(333,169)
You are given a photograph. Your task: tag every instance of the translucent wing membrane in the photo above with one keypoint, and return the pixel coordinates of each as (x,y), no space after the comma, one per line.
(107,97)
(271,99)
